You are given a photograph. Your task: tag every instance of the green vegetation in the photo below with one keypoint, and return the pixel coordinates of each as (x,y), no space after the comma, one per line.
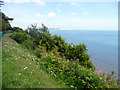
(5,24)
(67,62)
(21,69)
(43,38)
(17,29)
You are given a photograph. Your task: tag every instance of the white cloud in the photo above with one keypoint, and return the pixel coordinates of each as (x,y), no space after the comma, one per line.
(17,1)
(51,14)
(40,2)
(74,13)
(59,10)
(39,15)
(72,3)
(7,1)
(85,13)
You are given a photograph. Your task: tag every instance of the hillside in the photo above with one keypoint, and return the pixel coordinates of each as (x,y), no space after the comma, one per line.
(21,70)
(35,59)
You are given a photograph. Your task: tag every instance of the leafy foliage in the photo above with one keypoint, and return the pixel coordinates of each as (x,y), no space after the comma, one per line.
(37,33)
(17,29)
(73,74)
(5,25)
(39,51)
(44,28)
(25,39)
(20,37)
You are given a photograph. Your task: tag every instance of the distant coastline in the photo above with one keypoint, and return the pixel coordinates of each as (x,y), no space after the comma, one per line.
(78,29)
(60,29)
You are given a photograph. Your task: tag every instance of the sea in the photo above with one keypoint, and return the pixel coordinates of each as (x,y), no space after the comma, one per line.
(102,46)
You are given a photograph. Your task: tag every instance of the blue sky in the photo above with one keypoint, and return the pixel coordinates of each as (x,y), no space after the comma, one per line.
(64,15)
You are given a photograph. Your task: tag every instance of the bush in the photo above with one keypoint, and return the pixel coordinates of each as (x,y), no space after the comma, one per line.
(74,74)
(39,51)
(17,29)
(20,37)
(29,44)
(47,41)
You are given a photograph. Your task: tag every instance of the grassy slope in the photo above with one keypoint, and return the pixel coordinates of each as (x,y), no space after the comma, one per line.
(14,60)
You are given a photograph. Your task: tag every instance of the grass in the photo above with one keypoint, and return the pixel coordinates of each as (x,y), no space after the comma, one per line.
(20,68)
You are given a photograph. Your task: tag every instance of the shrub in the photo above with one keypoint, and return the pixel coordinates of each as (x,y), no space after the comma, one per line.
(17,29)
(20,37)
(39,51)
(29,44)
(60,43)
(24,39)
(74,74)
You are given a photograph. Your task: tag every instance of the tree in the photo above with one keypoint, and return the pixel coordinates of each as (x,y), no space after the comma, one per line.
(44,28)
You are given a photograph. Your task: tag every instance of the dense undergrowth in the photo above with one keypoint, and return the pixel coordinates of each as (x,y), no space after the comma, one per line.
(67,62)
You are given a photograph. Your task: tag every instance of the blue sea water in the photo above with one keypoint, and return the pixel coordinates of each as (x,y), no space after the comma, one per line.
(102,46)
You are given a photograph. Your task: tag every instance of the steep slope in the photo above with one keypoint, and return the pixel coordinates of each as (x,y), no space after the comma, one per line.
(20,68)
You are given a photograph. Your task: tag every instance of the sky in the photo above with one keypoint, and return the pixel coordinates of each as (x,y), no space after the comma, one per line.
(63,15)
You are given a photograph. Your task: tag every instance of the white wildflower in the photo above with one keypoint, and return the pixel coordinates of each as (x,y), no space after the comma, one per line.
(25,68)
(19,73)
(55,75)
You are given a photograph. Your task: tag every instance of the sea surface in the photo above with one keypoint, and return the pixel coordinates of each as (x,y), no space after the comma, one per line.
(102,46)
